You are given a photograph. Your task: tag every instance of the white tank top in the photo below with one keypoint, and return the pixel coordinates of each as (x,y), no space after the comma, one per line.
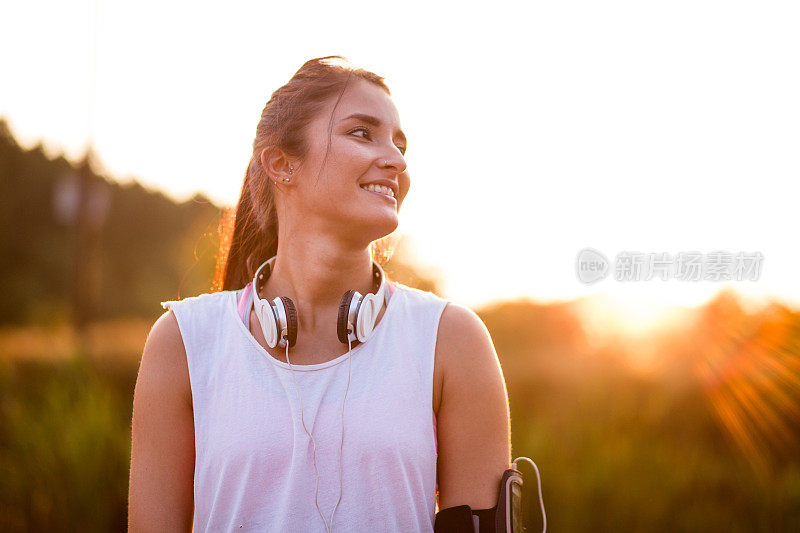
(253,459)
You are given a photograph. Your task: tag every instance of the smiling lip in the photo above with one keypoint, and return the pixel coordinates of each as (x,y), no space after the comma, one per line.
(390,198)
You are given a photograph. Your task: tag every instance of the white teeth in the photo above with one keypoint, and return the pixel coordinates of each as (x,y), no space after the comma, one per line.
(383,189)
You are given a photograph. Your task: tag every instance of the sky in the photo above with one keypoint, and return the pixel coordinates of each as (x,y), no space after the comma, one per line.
(535,129)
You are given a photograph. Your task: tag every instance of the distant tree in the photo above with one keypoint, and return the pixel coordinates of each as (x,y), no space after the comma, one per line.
(151,248)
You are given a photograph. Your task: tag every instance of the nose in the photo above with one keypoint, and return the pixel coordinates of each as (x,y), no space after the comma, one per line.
(394,161)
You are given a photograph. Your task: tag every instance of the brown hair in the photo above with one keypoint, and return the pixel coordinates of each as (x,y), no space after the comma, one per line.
(250,235)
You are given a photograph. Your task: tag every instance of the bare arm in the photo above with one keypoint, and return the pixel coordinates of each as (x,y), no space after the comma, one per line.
(473,426)
(160,494)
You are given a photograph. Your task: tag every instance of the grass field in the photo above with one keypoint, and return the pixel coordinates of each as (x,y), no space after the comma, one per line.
(704,439)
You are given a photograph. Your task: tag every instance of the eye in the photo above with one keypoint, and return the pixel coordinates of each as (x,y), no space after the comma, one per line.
(401,147)
(361,128)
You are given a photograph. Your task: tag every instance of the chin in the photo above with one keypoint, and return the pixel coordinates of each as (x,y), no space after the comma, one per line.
(377,226)
(385,226)
(371,219)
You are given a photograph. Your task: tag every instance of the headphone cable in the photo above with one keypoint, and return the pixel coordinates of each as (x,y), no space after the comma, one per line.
(539,479)
(328,528)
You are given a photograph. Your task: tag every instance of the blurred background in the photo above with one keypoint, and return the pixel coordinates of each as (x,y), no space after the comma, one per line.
(534,131)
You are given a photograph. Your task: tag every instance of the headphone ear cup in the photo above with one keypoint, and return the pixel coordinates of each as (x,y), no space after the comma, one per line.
(269,323)
(344,312)
(365,321)
(291,320)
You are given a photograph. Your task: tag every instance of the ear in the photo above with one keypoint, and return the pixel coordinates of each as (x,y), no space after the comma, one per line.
(277,165)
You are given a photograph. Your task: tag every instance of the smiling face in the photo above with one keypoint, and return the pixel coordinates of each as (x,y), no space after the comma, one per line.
(367,146)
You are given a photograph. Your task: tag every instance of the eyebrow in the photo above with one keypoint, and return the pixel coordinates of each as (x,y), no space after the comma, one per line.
(375,121)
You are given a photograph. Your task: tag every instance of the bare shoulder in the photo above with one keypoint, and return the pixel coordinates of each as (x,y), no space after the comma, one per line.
(164,357)
(460,325)
(464,349)
(165,333)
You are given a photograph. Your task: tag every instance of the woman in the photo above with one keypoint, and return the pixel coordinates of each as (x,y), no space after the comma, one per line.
(232,432)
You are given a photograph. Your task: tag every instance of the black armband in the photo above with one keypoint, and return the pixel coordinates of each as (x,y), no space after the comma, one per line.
(463,519)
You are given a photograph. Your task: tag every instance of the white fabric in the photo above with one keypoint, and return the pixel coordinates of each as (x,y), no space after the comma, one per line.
(253,460)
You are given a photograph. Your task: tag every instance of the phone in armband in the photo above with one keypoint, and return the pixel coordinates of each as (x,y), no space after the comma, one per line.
(505,517)
(508,517)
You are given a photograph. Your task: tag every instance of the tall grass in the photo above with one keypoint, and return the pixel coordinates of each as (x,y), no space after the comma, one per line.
(618,449)
(633,455)
(64,444)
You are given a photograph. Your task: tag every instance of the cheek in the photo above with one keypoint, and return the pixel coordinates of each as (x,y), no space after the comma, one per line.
(350,150)
(347,162)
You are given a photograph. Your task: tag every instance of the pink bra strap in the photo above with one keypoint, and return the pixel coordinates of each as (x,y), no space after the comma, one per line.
(243,300)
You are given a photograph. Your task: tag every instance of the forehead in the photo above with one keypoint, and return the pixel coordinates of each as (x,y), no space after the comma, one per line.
(365,97)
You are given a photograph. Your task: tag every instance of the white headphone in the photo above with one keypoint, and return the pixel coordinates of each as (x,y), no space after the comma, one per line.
(356,320)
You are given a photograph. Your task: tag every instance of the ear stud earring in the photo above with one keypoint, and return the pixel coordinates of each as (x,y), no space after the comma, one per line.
(291,171)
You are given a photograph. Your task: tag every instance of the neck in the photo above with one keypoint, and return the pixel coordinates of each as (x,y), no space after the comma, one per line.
(315,274)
